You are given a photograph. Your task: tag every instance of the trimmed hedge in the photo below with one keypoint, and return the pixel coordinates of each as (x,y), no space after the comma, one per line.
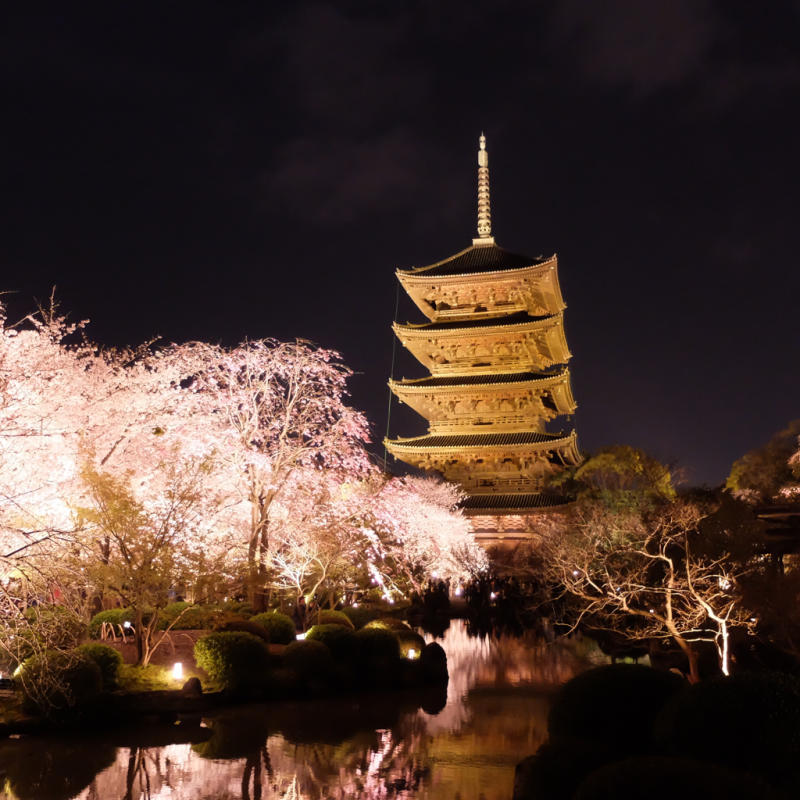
(55,681)
(233,660)
(377,644)
(361,615)
(108,661)
(194,617)
(341,641)
(279,627)
(113,616)
(308,659)
(330,617)
(388,624)
(618,703)
(748,718)
(409,640)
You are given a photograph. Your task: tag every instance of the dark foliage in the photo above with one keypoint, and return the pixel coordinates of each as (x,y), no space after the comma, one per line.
(234,660)
(108,661)
(279,627)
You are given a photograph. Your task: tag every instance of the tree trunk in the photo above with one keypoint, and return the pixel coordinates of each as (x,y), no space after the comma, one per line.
(139,633)
(691,657)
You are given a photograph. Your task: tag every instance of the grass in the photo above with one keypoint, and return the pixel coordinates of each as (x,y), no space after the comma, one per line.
(153,677)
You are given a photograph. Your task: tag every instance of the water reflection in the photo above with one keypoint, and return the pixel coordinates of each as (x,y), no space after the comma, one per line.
(357,748)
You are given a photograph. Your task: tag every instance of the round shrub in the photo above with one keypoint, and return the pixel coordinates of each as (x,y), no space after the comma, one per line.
(308,659)
(233,622)
(341,641)
(618,702)
(279,627)
(361,615)
(54,681)
(190,617)
(330,617)
(113,616)
(751,719)
(240,607)
(233,660)
(433,662)
(107,659)
(388,624)
(377,644)
(409,640)
(667,778)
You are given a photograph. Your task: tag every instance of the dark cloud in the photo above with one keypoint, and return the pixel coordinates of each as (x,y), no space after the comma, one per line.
(639,45)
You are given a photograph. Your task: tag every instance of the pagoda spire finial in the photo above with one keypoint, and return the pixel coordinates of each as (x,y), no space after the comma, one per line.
(484,204)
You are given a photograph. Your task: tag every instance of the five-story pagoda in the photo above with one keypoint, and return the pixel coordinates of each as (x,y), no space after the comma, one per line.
(496,352)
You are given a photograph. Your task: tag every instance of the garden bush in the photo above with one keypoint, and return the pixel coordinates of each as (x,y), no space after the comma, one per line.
(361,615)
(330,617)
(227,622)
(279,627)
(388,624)
(409,640)
(107,659)
(113,616)
(750,718)
(54,681)
(233,660)
(377,644)
(240,607)
(308,659)
(433,662)
(618,702)
(193,617)
(341,641)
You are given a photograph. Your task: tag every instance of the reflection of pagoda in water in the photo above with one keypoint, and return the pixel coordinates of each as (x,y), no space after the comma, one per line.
(496,352)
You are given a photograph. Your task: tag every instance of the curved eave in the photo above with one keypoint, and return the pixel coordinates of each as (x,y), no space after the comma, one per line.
(568,445)
(416,385)
(414,271)
(420,276)
(425,331)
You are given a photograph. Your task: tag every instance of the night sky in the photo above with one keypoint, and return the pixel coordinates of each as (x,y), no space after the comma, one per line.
(221,171)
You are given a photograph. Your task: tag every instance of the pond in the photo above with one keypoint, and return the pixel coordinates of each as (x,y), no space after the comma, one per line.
(460,747)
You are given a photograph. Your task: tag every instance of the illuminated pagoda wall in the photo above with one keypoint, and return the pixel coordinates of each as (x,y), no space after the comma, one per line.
(494,347)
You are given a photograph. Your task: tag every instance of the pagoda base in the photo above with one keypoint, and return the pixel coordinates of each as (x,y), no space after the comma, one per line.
(507,521)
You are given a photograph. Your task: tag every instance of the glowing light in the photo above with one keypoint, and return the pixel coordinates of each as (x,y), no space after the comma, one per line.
(457,591)
(576,572)
(412,653)
(355,605)
(300,637)
(126,624)
(177,670)
(652,611)
(492,595)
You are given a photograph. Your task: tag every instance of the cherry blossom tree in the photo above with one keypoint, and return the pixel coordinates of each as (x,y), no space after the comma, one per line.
(275,415)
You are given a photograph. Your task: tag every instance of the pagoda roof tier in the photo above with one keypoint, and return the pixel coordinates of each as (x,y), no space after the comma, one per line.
(518,318)
(509,402)
(491,379)
(479,258)
(464,443)
(515,343)
(476,504)
(532,287)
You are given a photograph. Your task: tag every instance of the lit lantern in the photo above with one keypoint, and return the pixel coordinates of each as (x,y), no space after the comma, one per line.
(177,670)
(412,653)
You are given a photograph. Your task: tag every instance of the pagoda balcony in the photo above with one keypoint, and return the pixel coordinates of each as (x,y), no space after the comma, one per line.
(502,423)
